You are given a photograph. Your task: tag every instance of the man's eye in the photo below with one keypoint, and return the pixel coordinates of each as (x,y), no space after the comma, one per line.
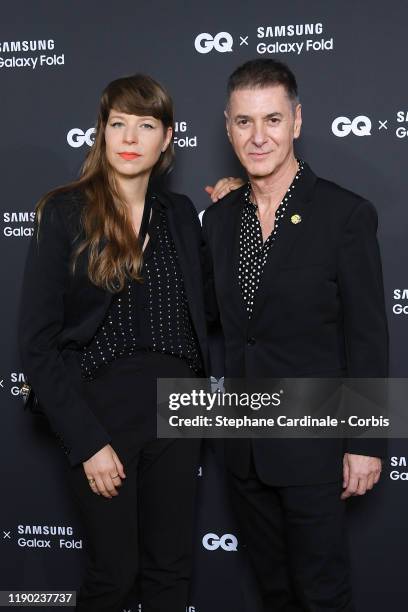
(243,122)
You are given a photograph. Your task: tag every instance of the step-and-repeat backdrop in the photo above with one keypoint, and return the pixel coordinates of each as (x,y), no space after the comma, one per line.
(55,58)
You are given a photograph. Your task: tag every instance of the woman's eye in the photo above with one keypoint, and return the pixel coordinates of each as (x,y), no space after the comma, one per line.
(148,125)
(116,124)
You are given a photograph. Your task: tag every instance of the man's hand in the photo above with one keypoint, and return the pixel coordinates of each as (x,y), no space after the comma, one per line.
(104,472)
(223,187)
(360,474)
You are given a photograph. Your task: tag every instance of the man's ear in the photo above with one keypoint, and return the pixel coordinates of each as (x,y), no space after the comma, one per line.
(298,121)
(227,121)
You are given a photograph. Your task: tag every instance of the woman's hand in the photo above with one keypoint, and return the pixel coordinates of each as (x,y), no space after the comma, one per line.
(223,187)
(104,472)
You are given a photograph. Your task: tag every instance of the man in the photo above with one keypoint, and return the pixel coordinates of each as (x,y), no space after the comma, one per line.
(295,277)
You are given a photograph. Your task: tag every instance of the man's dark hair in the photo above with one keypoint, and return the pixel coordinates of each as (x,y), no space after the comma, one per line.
(260,73)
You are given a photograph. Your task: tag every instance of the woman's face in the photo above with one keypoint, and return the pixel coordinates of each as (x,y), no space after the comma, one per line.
(134,144)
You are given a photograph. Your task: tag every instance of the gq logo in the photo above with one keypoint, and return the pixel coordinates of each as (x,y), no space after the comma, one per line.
(360,126)
(221,42)
(76,137)
(227,542)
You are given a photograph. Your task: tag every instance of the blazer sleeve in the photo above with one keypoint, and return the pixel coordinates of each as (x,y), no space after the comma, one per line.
(45,282)
(364,316)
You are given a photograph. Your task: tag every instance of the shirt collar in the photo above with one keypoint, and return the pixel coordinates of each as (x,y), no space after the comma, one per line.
(158,199)
(253,206)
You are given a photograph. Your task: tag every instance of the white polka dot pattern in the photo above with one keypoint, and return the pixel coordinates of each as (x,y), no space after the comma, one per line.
(253,252)
(152,315)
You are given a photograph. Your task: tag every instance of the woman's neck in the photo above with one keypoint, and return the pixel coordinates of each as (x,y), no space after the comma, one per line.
(133,189)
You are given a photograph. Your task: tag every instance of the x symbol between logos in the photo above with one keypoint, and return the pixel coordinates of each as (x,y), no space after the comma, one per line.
(1,383)
(383,125)
(243,41)
(6,535)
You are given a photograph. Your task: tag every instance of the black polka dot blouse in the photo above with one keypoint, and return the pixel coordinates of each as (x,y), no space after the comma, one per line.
(152,315)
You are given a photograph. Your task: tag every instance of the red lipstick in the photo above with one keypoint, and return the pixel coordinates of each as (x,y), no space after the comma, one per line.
(129,156)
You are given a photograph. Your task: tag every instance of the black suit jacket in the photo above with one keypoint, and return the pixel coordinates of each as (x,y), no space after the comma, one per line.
(319,312)
(60,313)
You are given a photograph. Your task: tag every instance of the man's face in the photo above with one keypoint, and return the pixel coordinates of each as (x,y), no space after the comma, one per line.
(261,126)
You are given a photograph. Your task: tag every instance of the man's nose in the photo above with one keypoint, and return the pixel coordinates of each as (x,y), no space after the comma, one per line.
(259,135)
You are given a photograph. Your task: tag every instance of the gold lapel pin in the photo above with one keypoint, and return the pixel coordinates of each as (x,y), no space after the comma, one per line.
(295,219)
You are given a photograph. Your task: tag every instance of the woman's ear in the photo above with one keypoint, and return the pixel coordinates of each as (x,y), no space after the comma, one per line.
(167,138)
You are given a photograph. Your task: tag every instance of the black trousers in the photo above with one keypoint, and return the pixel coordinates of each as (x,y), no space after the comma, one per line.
(296,542)
(144,535)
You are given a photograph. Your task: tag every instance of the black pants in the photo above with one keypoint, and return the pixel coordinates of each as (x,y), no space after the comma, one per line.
(296,542)
(144,535)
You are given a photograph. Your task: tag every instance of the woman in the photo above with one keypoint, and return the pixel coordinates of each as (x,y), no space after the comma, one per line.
(112,299)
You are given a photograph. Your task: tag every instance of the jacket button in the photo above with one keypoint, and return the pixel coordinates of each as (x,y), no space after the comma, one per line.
(251,341)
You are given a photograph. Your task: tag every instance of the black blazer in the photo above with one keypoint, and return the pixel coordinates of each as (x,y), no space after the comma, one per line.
(60,313)
(319,312)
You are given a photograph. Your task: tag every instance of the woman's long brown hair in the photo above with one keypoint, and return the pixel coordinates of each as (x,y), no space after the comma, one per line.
(105,216)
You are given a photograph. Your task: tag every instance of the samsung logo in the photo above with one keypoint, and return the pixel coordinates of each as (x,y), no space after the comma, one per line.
(400,294)
(45,530)
(19,217)
(300,29)
(26,45)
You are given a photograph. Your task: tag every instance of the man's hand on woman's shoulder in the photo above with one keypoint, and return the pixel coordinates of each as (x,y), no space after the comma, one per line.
(223,187)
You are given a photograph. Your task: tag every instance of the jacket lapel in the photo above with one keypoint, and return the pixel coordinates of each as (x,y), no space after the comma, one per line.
(227,250)
(289,232)
(185,243)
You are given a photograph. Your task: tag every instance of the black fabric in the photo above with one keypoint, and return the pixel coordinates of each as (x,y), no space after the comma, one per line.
(253,251)
(144,535)
(319,312)
(149,314)
(142,539)
(60,313)
(144,225)
(297,544)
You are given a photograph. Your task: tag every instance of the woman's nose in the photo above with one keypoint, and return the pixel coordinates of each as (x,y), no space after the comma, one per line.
(130,135)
